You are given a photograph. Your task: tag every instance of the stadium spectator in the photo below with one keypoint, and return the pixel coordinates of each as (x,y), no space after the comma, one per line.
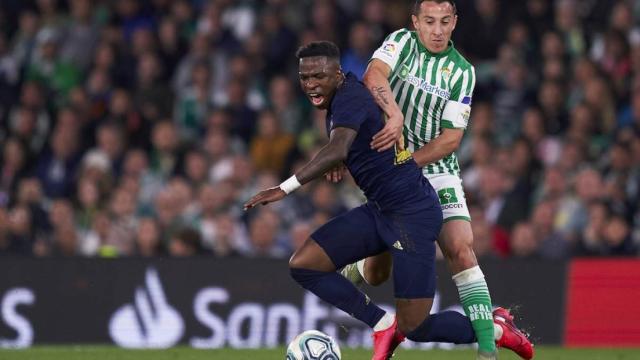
(148,238)
(263,234)
(230,238)
(194,103)
(14,166)
(19,240)
(552,244)
(356,57)
(270,147)
(186,242)
(286,106)
(62,239)
(524,243)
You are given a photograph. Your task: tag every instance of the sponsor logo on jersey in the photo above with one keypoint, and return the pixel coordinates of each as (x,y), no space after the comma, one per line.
(397,245)
(451,206)
(447,196)
(424,85)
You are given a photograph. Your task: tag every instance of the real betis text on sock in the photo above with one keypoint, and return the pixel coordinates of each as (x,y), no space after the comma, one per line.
(476,302)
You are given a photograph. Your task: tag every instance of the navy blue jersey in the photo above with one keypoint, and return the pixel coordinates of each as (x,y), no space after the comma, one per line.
(393,182)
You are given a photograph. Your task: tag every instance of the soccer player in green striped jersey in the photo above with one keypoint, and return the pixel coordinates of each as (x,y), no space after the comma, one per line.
(425,86)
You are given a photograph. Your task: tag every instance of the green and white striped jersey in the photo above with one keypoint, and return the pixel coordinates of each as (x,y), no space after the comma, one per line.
(433,91)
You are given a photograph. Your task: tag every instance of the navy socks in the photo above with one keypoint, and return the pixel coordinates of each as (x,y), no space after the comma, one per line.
(339,292)
(447,326)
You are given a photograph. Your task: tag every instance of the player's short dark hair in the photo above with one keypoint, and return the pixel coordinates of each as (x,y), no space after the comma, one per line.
(416,6)
(319,48)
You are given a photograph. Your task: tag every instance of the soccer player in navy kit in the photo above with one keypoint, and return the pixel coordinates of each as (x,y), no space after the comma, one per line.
(402,214)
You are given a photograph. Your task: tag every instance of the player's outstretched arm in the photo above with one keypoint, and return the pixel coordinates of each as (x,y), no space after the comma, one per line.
(376,78)
(330,156)
(266,196)
(446,143)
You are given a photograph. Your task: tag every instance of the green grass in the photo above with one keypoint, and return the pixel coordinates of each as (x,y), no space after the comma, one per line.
(183,353)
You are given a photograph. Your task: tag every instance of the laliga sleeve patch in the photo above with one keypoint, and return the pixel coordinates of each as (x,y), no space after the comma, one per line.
(389,53)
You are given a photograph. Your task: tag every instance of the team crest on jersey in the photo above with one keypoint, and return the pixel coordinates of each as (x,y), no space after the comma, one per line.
(446,73)
(404,71)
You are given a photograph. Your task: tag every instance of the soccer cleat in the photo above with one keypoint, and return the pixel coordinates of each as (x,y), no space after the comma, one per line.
(386,341)
(352,274)
(512,337)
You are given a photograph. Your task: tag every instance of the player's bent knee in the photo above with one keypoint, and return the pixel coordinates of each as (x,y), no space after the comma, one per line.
(295,262)
(312,257)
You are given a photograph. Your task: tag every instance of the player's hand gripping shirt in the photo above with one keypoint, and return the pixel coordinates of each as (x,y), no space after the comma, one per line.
(433,91)
(393,180)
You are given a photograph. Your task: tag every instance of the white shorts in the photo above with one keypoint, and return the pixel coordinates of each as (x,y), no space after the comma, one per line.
(451,195)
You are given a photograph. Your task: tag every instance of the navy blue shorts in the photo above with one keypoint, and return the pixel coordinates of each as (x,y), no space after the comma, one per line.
(409,237)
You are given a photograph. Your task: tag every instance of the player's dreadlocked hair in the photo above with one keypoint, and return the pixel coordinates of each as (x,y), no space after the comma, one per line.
(416,6)
(319,48)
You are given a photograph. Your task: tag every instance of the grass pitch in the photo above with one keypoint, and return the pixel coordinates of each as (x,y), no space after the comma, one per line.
(183,353)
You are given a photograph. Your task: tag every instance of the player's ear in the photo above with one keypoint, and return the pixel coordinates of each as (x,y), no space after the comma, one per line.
(414,20)
(455,22)
(339,73)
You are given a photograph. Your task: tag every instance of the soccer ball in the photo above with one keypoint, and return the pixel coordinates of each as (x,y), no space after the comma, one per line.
(313,345)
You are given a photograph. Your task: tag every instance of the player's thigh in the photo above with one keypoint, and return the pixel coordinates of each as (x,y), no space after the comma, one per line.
(411,242)
(456,238)
(350,237)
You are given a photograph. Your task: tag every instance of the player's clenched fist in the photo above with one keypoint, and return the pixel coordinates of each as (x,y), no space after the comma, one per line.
(336,174)
(265,196)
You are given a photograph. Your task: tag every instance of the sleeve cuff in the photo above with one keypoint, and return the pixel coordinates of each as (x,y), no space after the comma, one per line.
(447,124)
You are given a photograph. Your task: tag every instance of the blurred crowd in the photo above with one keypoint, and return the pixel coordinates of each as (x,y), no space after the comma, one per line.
(140,127)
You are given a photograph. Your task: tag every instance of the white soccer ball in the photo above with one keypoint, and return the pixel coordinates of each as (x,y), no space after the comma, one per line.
(313,345)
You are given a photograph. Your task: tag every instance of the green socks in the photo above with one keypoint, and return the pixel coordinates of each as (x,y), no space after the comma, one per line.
(476,302)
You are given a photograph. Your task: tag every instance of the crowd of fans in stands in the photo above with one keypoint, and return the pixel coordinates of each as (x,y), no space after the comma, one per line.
(139,127)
